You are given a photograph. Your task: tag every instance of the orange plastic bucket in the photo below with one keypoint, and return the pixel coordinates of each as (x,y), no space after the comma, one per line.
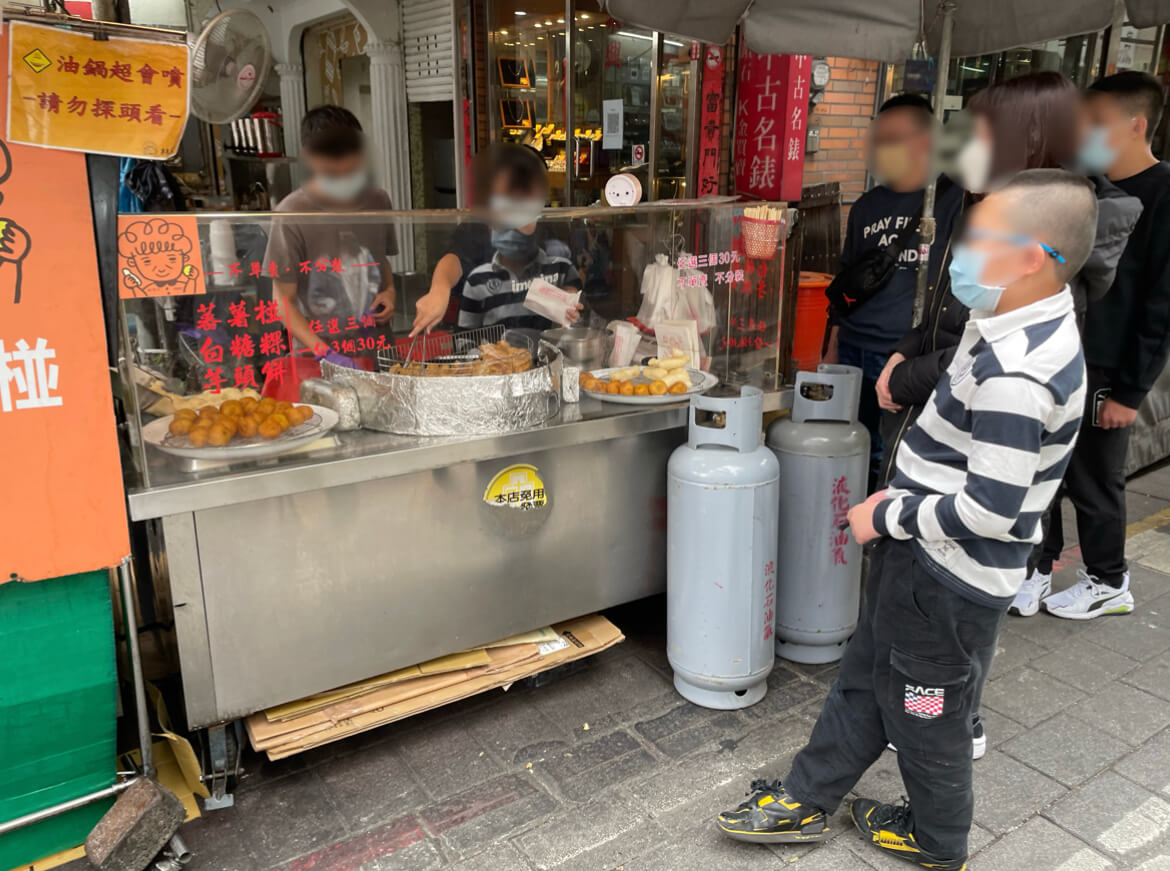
(812,313)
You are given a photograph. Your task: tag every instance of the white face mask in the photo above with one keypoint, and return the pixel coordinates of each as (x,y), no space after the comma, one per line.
(343,188)
(974,164)
(510,213)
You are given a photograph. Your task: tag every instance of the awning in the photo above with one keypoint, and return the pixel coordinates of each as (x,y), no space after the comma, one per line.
(885,30)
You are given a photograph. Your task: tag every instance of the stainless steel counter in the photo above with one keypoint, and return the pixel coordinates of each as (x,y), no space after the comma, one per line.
(362,455)
(374,552)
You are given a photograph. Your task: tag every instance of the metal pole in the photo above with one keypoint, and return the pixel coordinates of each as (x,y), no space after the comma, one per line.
(655,121)
(65,806)
(926,227)
(130,623)
(570,108)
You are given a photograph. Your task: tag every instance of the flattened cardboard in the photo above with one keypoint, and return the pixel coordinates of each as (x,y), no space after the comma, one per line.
(585,636)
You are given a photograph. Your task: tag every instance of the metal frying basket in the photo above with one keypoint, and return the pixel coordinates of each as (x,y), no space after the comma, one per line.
(454,348)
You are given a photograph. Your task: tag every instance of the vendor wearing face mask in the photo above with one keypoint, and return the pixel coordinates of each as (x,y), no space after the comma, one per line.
(873,294)
(321,304)
(515,255)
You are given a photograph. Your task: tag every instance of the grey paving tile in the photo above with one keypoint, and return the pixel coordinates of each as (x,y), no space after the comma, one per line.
(1140,635)
(371,786)
(786,694)
(1149,583)
(998,728)
(487,813)
(1038,844)
(707,850)
(1150,764)
(1127,712)
(1013,651)
(1153,677)
(832,856)
(1082,664)
(217,840)
(498,857)
(603,690)
(1066,749)
(686,728)
(446,758)
(581,771)
(1008,792)
(288,818)
(512,724)
(1028,697)
(585,836)
(1049,632)
(1157,863)
(1116,816)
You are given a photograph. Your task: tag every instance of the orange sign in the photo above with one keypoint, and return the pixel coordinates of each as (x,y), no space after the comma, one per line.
(110,96)
(63,509)
(159,256)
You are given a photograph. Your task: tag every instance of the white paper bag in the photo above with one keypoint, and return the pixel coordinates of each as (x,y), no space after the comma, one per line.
(550,301)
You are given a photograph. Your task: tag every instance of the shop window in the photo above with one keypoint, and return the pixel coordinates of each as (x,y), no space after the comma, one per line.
(526,81)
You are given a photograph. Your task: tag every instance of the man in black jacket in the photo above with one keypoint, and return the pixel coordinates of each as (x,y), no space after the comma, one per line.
(1127,344)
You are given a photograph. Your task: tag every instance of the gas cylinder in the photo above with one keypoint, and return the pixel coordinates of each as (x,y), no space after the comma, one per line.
(824,458)
(722,501)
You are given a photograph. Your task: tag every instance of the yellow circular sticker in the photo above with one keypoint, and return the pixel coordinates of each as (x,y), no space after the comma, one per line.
(518,486)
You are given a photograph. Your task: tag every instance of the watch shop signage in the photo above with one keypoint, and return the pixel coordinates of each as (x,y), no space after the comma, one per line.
(771,121)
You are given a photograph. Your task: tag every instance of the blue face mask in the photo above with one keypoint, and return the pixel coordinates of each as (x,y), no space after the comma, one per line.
(967,266)
(514,244)
(1096,155)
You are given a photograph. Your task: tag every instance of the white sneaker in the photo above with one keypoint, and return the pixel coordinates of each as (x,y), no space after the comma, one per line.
(1027,601)
(1089,598)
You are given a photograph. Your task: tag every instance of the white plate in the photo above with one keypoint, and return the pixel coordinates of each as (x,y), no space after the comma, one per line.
(701,382)
(324,419)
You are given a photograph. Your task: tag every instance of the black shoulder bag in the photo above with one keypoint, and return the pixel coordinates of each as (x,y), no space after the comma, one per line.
(858,284)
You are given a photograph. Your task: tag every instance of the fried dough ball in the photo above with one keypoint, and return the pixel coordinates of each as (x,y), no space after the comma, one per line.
(593,386)
(280,419)
(283,406)
(249,403)
(657,388)
(613,388)
(181,426)
(678,387)
(231,424)
(232,408)
(641,389)
(198,436)
(266,406)
(627,388)
(202,423)
(585,377)
(247,427)
(188,413)
(219,435)
(306,412)
(208,411)
(269,429)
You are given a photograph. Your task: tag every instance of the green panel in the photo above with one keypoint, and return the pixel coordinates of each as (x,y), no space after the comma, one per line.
(58,692)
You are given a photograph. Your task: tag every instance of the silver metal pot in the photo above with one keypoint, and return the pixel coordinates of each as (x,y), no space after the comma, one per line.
(586,347)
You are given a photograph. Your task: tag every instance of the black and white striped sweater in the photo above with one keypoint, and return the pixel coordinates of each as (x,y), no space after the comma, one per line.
(976,472)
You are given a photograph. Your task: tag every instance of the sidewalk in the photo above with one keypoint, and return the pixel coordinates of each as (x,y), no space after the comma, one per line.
(610,769)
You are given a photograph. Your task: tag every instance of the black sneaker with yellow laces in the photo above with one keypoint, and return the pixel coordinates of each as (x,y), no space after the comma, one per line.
(889,827)
(772,816)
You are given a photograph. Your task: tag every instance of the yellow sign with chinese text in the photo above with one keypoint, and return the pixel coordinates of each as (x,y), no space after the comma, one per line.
(110,96)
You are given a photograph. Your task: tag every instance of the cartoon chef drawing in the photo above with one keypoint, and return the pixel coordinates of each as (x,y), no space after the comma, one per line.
(156,259)
(14,240)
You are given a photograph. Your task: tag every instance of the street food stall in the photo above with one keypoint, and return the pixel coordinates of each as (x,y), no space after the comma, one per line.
(453,490)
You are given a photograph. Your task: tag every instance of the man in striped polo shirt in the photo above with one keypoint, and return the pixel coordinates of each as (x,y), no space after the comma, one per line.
(954,530)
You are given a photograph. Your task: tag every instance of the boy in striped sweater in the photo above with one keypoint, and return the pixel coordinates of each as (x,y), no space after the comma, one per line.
(953,532)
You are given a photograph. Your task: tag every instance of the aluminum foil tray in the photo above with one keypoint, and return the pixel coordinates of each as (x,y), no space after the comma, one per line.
(453,405)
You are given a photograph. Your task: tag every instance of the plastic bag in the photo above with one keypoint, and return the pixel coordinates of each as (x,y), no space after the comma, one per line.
(659,284)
